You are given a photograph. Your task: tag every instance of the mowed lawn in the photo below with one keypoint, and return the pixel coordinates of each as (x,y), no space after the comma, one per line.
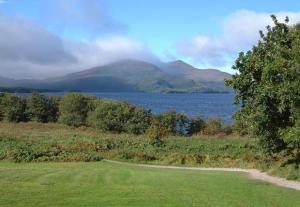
(105,184)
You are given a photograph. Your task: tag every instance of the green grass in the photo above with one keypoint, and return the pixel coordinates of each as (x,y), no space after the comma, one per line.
(36,142)
(52,142)
(104,184)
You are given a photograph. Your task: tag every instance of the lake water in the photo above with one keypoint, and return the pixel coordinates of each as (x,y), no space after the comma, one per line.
(206,105)
(193,104)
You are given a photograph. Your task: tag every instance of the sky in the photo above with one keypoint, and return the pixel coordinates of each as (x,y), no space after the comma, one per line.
(47,38)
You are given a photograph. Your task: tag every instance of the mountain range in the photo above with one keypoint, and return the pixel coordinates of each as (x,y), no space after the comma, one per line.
(132,76)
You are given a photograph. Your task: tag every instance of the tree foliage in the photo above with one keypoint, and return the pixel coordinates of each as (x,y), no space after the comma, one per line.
(139,121)
(119,117)
(74,108)
(268,86)
(41,108)
(196,125)
(110,116)
(12,108)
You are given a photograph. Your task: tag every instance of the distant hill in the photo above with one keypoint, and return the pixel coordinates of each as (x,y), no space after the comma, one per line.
(7,82)
(181,68)
(130,76)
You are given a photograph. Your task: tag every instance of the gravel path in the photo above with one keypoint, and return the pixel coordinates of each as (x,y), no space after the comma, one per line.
(255,174)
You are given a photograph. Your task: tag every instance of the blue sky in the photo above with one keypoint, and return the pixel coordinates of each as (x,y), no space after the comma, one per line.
(203,33)
(161,23)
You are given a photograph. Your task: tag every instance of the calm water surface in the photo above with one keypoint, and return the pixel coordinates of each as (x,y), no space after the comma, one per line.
(194,104)
(207,105)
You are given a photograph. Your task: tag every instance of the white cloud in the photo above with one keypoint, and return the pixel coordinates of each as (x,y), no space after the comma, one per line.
(105,50)
(69,16)
(29,51)
(240,31)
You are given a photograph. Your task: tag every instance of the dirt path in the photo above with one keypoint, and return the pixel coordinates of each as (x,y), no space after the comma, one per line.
(255,174)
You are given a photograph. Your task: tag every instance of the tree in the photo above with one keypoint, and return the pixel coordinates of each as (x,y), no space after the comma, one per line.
(12,108)
(110,116)
(73,109)
(38,107)
(156,133)
(196,125)
(168,121)
(139,121)
(53,108)
(267,85)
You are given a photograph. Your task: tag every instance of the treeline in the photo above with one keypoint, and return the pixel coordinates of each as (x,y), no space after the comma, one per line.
(76,110)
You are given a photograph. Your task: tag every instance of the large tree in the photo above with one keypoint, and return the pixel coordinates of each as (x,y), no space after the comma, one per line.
(267,85)
(73,109)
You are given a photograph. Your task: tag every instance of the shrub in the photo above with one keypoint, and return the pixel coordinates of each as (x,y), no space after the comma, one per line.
(53,109)
(119,117)
(41,108)
(227,129)
(110,116)
(73,109)
(182,124)
(213,127)
(174,123)
(167,120)
(139,121)
(12,108)
(241,128)
(291,137)
(156,132)
(196,125)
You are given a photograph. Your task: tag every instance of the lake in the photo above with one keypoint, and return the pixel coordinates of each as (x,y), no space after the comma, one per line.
(206,105)
(193,104)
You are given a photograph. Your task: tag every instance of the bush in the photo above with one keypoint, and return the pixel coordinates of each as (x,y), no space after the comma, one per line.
(110,116)
(139,121)
(213,127)
(182,124)
(53,109)
(174,123)
(45,152)
(156,132)
(119,117)
(196,125)
(41,108)
(291,137)
(12,108)
(228,129)
(73,109)
(167,120)
(241,128)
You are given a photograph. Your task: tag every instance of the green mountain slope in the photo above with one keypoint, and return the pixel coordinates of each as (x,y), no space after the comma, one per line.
(133,75)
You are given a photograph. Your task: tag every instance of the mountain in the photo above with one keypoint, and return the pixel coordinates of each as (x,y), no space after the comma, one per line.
(210,79)
(181,68)
(7,82)
(132,75)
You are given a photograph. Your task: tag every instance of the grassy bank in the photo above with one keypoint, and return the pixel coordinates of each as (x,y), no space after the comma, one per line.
(34,142)
(104,184)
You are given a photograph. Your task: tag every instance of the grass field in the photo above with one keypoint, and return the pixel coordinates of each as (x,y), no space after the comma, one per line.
(105,184)
(37,142)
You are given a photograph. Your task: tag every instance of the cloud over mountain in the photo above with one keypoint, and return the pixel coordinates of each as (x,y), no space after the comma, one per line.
(27,50)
